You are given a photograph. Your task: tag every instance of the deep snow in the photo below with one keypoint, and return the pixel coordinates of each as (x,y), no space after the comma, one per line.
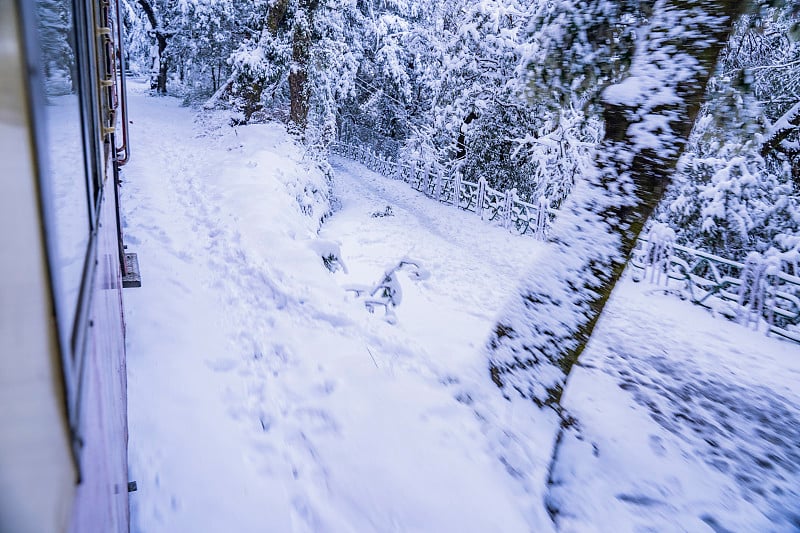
(264,397)
(684,422)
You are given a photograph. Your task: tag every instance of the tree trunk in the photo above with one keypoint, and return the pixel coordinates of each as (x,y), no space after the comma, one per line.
(649,116)
(252,88)
(276,14)
(161,40)
(461,147)
(163,64)
(299,92)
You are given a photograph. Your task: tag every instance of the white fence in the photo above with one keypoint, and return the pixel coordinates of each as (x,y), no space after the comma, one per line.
(446,186)
(755,293)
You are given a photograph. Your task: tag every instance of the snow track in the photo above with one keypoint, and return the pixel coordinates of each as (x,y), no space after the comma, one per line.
(684,421)
(264,397)
(181,434)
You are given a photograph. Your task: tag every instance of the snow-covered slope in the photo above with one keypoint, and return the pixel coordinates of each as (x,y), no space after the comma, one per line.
(264,397)
(684,421)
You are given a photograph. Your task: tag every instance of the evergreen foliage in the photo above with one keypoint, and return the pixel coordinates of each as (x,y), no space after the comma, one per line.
(509,91)
(738,182)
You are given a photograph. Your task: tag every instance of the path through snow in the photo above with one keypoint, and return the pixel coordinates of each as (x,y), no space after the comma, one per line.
(264,397)
(684,422)
(261,396)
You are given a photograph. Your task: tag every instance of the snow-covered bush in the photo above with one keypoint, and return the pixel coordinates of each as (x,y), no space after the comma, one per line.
(331,254)
(387,292)
(731,202)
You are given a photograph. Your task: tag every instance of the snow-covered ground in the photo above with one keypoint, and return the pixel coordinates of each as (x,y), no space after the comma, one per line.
(684,422)
(264,397)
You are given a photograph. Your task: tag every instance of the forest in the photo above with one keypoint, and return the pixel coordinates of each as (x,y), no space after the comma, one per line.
(511,91)
(265,134)
(618,115)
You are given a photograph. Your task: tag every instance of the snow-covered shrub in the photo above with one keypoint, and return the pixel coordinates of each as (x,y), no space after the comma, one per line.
(387,292)
(387,212)
(331,254)
(731,202)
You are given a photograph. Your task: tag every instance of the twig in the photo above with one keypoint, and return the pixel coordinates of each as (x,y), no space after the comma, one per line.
(372,356)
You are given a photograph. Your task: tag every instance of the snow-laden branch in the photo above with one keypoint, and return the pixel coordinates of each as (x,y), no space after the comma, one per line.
(778,132)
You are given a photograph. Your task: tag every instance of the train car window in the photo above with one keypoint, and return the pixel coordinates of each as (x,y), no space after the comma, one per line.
(65,178)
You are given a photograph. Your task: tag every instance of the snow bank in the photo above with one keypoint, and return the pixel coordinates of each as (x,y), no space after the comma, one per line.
(262,396)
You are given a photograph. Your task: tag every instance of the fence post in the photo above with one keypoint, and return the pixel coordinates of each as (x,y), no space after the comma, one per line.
(457,188)
(753,289)
(439,184)
(508,207)
(481,197)
(658,253)
(426,177)
(542,218)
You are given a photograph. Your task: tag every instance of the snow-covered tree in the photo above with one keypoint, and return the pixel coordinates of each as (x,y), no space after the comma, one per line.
(159,15)
(648,112)
(58,45)
(206,36)
(738,182)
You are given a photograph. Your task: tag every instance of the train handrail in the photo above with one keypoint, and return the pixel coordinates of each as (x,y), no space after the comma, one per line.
(124,149)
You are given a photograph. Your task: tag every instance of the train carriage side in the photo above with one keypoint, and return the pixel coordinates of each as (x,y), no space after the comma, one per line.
(63,425)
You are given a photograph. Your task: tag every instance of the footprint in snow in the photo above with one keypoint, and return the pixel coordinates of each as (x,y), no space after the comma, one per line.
(223,364)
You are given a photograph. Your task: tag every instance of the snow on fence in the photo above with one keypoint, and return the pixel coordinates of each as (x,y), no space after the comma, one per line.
(448,186)
(755,293)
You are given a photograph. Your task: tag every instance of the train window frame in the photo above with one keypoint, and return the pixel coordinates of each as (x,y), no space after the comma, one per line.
(72,338)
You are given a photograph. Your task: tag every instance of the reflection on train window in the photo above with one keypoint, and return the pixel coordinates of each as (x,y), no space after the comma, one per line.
(66,180)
